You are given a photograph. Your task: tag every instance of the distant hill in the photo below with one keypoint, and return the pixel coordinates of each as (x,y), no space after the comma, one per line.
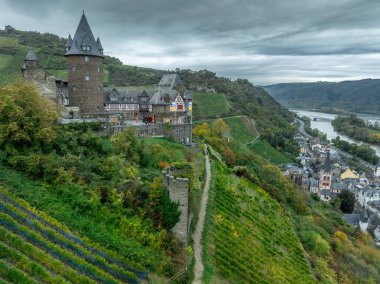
(356,96)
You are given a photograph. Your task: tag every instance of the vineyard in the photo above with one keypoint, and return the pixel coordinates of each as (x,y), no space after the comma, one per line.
(240,130)
(248,236)
(265,150)
(209,105)
(36,248)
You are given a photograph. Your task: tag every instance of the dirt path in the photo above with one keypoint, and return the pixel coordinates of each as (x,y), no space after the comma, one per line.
(197,236)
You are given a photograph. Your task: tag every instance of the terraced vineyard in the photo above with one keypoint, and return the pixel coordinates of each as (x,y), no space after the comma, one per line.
(248,237)
(265,150)
(35,248)
(240,131)
(209,105)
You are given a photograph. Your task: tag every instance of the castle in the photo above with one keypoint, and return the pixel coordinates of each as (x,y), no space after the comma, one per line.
(167,111)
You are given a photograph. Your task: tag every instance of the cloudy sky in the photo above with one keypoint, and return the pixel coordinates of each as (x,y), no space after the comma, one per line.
(265,41)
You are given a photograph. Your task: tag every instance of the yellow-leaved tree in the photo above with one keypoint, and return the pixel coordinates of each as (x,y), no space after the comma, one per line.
(27,120)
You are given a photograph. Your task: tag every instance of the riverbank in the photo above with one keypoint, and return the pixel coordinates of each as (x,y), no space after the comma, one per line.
(322,121)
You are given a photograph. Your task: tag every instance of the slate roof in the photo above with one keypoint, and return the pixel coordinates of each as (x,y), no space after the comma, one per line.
(314,182)
(69,42)
(83,36)
(169,81)
(123,97)
(30,56)
(352,219)
(163,97)
(338,186)
(166,91)
(327,165)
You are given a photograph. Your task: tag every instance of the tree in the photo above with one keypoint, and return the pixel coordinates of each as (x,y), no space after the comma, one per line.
(219,127)
(348,201)
(27,120)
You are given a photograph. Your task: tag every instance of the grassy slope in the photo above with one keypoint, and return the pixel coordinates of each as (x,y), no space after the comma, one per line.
(248,236)
(36,247)
(209,105)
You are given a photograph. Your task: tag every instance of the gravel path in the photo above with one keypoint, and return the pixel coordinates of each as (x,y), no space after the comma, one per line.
(197,236)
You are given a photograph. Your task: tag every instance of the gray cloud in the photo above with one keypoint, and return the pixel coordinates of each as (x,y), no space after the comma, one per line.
(264,41)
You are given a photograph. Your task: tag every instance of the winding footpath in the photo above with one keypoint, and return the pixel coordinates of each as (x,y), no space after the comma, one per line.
(197,235)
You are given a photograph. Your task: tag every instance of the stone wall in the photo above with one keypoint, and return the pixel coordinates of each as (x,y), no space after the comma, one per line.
(85,77)
(179,133)
(178,189)
(46,86)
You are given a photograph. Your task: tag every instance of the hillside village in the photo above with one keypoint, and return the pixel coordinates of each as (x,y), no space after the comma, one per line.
(326,175)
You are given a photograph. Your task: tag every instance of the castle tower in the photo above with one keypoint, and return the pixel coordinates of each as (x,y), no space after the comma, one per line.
(31,70)
(84,57)
(325,176)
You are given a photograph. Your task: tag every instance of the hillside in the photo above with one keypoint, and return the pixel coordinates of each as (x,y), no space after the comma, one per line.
(343,95)
(35,247)
(248,237)
(108,191)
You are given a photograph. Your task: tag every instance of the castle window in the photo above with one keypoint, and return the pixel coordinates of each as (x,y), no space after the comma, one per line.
(87,58)
(73,68)
(87,78)
(98,69)
(86,48)
(74,88)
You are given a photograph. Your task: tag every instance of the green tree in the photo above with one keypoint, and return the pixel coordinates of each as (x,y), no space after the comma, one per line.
(348,201)
(27,120)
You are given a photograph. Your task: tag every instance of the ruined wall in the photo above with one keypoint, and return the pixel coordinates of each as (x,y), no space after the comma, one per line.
(46,86)
(178,189)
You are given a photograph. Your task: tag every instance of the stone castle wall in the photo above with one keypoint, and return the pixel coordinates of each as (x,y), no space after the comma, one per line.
(85,77)
(178,189)
(46,86)
(179,133)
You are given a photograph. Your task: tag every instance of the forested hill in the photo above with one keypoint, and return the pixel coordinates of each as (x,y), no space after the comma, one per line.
(356,96)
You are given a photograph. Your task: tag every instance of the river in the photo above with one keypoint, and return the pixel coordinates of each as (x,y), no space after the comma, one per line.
(322,121)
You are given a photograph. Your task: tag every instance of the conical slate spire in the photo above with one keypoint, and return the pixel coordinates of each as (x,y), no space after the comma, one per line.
(99,44)
(327,165)
(69,42)
(84,40)
(31,56)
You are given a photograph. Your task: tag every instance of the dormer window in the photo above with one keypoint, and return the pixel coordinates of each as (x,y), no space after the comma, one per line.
(86,48)
(67,48)
(101,51)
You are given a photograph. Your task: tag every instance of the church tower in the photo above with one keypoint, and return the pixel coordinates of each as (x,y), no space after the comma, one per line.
(84,57)
(325,176)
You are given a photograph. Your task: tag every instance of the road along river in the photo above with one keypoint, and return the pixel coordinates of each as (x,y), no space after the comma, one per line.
(322,121)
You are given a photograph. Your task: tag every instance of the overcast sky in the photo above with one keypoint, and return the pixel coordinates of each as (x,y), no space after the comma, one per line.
(265,41)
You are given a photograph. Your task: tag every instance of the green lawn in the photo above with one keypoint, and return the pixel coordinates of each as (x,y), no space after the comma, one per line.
(264,149)
(209,105)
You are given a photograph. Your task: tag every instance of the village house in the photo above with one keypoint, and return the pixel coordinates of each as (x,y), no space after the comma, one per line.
(368,195)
